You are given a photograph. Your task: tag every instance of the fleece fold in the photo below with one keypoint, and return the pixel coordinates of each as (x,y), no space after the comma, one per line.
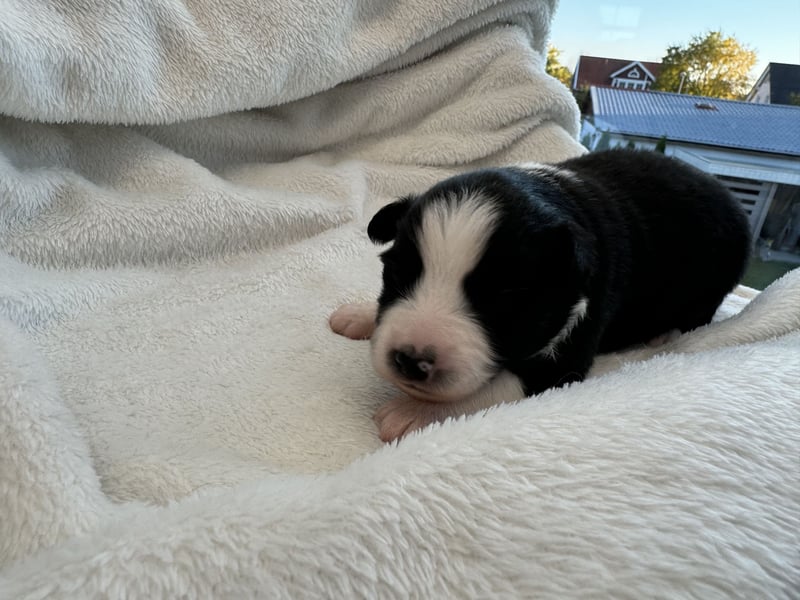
(184,193)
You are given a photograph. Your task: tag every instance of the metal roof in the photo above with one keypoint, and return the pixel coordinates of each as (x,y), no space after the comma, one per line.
(696,119)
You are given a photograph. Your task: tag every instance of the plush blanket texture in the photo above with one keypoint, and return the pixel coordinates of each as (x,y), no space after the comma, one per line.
(184,189)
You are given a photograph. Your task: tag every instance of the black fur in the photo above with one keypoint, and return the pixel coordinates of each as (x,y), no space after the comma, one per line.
(652,243)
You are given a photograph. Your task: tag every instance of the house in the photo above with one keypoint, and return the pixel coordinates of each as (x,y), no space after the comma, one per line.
(754,149)
(614,72)
(778,84)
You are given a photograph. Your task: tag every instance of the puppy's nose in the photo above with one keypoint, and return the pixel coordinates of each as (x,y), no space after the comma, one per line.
(413,366)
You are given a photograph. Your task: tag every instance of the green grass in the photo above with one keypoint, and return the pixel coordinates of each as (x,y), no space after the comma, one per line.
(761,273)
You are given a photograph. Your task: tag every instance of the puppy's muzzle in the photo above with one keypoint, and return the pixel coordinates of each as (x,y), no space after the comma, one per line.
(413,365)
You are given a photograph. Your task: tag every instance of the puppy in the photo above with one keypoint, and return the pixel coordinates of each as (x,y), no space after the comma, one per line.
(502,283)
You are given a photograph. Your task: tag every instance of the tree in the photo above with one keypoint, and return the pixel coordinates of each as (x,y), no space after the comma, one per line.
(603,143)
(711,65)
(555,68)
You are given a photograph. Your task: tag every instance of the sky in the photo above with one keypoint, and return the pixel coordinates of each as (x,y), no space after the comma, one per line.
(643,30)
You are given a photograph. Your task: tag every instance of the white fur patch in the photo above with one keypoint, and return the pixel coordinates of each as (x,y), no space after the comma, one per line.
(551,170)
(577,313)
(505,387)
(435,316)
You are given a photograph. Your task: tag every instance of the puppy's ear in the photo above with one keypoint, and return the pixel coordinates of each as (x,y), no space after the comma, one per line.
(383,226)
(583,245)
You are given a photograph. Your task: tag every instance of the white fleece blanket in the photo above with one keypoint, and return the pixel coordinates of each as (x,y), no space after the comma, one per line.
(184,188)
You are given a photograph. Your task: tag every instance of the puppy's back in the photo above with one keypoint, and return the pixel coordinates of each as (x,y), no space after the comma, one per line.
(688,239)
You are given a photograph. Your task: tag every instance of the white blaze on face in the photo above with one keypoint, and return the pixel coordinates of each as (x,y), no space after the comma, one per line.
(435,317)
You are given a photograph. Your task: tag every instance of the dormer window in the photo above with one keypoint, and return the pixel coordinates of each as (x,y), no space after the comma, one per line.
(633,76)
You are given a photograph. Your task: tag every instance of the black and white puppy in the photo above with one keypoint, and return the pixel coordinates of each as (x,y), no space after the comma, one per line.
(502,283)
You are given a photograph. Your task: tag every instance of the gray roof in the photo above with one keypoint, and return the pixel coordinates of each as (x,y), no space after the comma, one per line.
(695,119)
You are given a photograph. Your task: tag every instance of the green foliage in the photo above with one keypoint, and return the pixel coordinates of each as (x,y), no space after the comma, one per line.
(555,68)
(661,144)
(714,65)
(581,98)
(604,143)
(794,99)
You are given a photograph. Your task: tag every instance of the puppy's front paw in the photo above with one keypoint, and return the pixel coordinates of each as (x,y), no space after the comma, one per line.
(354,321)
(401,416)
